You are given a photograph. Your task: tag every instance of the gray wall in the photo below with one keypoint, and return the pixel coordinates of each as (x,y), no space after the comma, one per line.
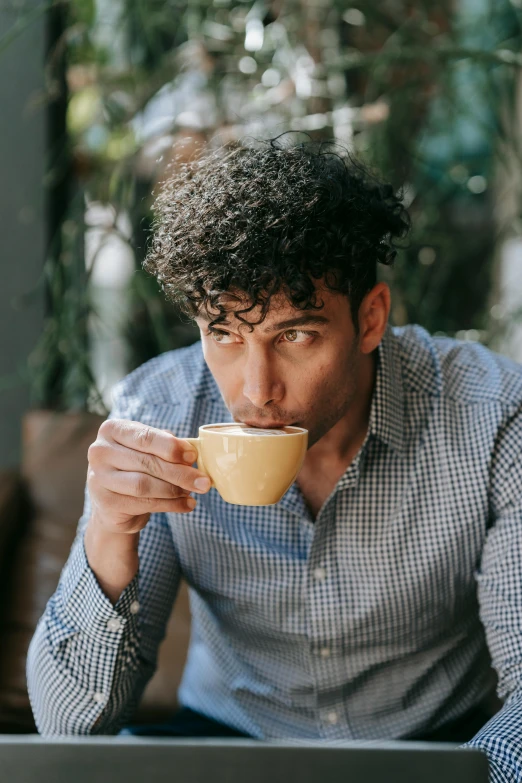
(22,228)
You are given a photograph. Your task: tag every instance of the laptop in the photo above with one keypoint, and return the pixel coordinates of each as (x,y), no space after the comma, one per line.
(103,759)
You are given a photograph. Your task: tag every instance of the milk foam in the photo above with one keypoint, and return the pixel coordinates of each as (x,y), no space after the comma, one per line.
(237,430)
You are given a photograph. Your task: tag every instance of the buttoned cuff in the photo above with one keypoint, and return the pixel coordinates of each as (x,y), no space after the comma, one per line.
(81,604)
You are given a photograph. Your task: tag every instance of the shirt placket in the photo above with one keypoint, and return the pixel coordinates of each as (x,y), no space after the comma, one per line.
(326,645)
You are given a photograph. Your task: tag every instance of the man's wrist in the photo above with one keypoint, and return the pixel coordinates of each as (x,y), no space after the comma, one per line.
(113,557)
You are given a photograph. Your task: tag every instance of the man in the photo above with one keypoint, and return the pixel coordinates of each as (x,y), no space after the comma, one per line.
(370,601)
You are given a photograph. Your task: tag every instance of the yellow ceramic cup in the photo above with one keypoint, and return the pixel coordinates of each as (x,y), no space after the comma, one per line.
(250,466)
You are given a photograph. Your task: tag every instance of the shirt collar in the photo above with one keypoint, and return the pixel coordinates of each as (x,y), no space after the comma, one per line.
(387,408)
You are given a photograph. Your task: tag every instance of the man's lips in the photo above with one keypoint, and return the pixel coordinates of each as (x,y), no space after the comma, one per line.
(267,425)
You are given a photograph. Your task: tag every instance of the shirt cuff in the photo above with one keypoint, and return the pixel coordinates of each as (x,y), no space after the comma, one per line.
(81,604)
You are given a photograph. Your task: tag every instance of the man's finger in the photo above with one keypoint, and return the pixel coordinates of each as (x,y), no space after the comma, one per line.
(141,437)
(121,458)
(141,485)
(125,504)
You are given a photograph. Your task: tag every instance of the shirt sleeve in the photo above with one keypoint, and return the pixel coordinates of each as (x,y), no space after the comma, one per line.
(499,581)
(89,661)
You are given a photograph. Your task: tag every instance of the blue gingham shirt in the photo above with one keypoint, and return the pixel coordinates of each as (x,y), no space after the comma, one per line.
(378,619)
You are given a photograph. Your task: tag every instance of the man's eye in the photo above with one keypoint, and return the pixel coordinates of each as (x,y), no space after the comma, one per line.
(297,336)
(219,336)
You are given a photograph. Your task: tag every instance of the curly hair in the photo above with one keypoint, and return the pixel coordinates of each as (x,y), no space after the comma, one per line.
(245,222)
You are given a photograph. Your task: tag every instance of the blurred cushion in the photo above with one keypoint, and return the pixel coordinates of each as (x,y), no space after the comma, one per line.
(13,507)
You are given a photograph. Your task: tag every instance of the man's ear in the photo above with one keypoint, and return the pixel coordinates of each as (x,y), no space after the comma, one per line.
(373,317)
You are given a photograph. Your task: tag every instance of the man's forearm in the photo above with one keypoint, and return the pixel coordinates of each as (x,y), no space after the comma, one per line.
(113,557)
(75,679)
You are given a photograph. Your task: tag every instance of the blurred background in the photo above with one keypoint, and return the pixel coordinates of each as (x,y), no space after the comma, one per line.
(98,96)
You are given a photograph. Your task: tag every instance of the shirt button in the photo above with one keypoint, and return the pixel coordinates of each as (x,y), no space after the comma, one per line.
(114,624)
(135,607)
(332,718)
(99,697)
(325,652)
(320,574)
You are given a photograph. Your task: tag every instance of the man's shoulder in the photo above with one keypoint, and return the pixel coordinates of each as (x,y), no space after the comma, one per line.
(462,371)
(167,379)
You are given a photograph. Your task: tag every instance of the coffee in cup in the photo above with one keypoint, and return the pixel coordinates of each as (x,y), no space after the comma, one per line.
(250,466)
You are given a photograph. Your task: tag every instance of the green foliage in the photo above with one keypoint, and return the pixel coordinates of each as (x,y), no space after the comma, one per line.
(63,377)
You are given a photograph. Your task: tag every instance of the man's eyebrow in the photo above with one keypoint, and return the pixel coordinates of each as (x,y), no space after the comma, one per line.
(308,319)
(301,320)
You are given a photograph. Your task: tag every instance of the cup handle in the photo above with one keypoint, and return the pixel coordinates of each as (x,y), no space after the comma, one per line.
(196,443)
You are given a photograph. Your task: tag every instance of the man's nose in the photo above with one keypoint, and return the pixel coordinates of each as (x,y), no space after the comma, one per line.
(260,382)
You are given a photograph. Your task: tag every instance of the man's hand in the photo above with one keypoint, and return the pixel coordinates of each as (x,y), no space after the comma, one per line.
(134,470)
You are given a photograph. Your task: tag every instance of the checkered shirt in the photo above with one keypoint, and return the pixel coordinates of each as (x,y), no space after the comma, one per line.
(379,619)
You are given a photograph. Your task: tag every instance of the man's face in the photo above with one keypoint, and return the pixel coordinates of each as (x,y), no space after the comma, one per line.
(296,367)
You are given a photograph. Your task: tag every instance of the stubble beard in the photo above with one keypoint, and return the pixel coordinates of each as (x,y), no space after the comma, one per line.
(334,411)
